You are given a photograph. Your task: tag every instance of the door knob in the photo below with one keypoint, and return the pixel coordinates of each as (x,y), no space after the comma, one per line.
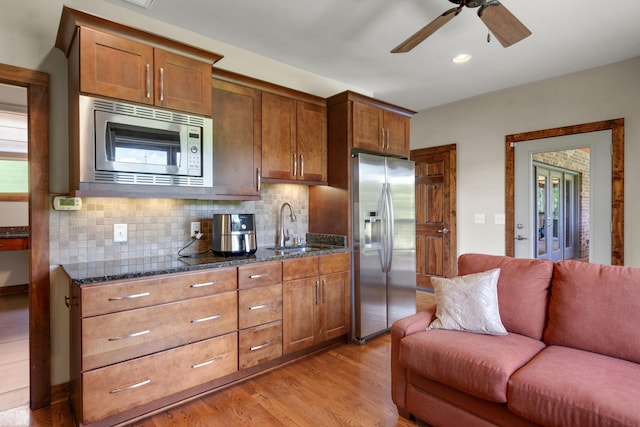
(443,230)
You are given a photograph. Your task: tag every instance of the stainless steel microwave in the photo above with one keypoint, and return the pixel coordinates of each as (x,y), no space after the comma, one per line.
(124,143)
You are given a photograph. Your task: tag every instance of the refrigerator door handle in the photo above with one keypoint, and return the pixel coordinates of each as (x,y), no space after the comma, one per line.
(383,238)
(390,228)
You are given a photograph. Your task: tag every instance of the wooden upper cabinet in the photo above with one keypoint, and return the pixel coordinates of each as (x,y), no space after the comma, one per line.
(294,139)
(378,130)
(279,154)
(121,68)
(236,140)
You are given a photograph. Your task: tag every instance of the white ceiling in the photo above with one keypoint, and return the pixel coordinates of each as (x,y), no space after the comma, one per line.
(349,41)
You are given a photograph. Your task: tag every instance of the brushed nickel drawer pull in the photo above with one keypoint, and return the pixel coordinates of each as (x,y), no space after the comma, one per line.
(144,294)
(202,285)
(258,276)
(161,84)
(130,387)
(148,81)
(258,347)
(133,335)
(204,319)
(208,362)
(258,307)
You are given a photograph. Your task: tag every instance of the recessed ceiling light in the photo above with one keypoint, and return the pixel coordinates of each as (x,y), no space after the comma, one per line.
(461,59)
(142,3)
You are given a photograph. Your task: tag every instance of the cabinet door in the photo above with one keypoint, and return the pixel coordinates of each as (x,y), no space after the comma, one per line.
(397,133)
(367,127)
(236,139)
(182,83)
(115,67)
(335,305)
(300,323)
(312,142)
(278,136)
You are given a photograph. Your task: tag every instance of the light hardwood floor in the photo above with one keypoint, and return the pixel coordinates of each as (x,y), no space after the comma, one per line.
(14,351)
(349,385)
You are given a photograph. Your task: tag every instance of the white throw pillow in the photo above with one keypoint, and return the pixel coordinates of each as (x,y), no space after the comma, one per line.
(468,303)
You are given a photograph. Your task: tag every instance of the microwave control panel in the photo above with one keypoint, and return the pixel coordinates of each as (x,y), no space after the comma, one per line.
(194,154)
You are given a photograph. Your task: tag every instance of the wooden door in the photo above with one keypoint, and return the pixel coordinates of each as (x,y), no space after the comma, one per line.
(435,213)
(300,311)
(311,142)
(115,67)
(236,140)
(396,127)
(278,136)
(367,127)
(335,304)
(182,83)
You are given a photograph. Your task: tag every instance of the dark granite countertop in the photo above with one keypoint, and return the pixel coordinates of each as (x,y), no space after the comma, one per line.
(19,232)
(99,271)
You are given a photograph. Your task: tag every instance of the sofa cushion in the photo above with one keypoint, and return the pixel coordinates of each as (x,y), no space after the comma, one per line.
(595,307)
(476,364)
(567,387)
(523,289)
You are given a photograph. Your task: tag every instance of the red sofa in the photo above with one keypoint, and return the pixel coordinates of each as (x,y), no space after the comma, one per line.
(571,356)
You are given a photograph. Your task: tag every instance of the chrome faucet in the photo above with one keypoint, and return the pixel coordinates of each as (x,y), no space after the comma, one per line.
(284,235)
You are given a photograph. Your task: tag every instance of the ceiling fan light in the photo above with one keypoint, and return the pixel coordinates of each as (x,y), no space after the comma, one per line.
(461,58)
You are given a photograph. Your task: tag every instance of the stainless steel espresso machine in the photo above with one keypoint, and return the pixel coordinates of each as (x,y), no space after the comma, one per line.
(233,234)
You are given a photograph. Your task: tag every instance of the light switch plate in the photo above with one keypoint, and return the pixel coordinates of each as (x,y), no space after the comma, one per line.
(119,233)
(499,219)
(479,218)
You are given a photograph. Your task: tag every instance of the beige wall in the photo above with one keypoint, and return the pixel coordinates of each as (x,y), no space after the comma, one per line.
(478,126)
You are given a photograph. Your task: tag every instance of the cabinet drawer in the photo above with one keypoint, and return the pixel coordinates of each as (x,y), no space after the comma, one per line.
(259,305)
(116,337)
(135,293)
(260,344)
(14,244)
(117,388)
(333,263)
(260,274)
(299,268)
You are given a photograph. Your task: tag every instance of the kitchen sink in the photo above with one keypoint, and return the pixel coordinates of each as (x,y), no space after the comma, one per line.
(293,249)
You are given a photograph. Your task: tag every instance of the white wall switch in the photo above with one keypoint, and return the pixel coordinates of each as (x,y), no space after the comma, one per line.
(479,218)
(499,219)
(119,233)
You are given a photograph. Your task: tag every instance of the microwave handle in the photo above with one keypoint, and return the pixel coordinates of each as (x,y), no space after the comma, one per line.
(148,81)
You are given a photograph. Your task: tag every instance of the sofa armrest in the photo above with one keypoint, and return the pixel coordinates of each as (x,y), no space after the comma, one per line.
(400,329)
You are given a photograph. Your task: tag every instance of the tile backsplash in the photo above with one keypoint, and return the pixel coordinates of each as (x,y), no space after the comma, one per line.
(161,226)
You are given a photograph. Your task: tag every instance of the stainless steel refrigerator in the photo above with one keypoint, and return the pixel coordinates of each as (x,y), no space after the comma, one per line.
(384,243)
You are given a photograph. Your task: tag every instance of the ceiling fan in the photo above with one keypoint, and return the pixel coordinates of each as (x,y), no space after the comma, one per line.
(504,26)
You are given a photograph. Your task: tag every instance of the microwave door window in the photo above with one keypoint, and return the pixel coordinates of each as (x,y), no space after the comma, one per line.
(143,146)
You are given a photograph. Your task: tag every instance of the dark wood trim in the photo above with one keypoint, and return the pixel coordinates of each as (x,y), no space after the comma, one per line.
(37,84)
(14,197)
(617,178)
(14,289)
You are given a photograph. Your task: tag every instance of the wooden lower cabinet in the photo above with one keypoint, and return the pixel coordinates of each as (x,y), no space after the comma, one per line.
(316,307)
(138,345)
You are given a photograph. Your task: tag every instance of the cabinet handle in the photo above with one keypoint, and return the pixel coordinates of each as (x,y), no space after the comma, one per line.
(388,139)
(382,138)
(208,362)
(148,81)
(258,347)
(258,276)
(133,335)
(132,386)
(161,84)
(258,307)
(295,165)
(317,292)
(259,179)
(202,285)
(205,319)
(133,296)
(301,165)
(324,291)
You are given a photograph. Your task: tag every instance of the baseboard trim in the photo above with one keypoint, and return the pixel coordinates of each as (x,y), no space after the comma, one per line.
(59,393)
(14,290)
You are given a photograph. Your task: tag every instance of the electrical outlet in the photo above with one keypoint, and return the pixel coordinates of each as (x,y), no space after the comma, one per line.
(195,228)
(119,233)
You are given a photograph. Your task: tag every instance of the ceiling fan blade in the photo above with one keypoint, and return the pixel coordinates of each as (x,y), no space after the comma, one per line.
(504,26)
(426,31)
